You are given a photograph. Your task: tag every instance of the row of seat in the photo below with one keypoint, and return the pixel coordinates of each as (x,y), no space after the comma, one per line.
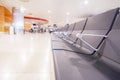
(88,49)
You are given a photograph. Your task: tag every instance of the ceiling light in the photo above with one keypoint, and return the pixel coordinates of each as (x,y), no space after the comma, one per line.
(85,2)
(49,11)
(22,9)
(67,13)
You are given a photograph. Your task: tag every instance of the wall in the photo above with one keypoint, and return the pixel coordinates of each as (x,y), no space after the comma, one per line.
(2,18)
(5,18)
(27,26)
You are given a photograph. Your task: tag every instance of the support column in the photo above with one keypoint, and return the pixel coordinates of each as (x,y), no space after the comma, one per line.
(18,21)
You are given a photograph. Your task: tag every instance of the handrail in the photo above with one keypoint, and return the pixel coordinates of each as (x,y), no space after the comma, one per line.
(80,36)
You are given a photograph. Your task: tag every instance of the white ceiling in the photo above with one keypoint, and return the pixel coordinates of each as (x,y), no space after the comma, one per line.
(58,8)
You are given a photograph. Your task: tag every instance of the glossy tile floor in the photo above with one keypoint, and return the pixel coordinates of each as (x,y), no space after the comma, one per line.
(26,57)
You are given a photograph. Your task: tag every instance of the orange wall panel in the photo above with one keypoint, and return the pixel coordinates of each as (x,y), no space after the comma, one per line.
(7,13)
(1,27)
(5,17)
(8,19)
(27,26)
(1,10)
(6,29)
(2,19)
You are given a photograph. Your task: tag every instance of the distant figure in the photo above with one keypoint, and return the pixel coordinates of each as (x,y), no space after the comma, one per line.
(55,27)
(39,28)
(42,28)
(34,28)
(31,30)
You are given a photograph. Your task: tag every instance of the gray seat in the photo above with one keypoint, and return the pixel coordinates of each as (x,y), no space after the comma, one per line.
(54,37)
(110,51)
(97,25)
(76,66)
(66,27)
(60,33)
(96,29)
(79,27)
(62,29)
(71,28)
(69,31)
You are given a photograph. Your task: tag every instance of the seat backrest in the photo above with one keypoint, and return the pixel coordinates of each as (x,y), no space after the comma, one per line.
(100,24)
(60,29)
(111,49)
(65,28)
(71,28)
(79,27)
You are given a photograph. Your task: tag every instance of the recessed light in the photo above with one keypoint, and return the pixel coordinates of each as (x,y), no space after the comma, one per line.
(49,11)
(67,13)
(22,9)
(85,2)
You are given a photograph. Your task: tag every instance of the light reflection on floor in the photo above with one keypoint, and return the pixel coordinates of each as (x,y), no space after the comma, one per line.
(25,57)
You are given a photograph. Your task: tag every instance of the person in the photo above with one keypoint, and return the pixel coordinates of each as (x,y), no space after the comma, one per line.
(50,29)
(39,28)
(35,28)
(42,28)
(55,27)
(31,30)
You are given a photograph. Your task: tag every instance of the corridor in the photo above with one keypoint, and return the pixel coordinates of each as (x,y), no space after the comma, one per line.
(25,57)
